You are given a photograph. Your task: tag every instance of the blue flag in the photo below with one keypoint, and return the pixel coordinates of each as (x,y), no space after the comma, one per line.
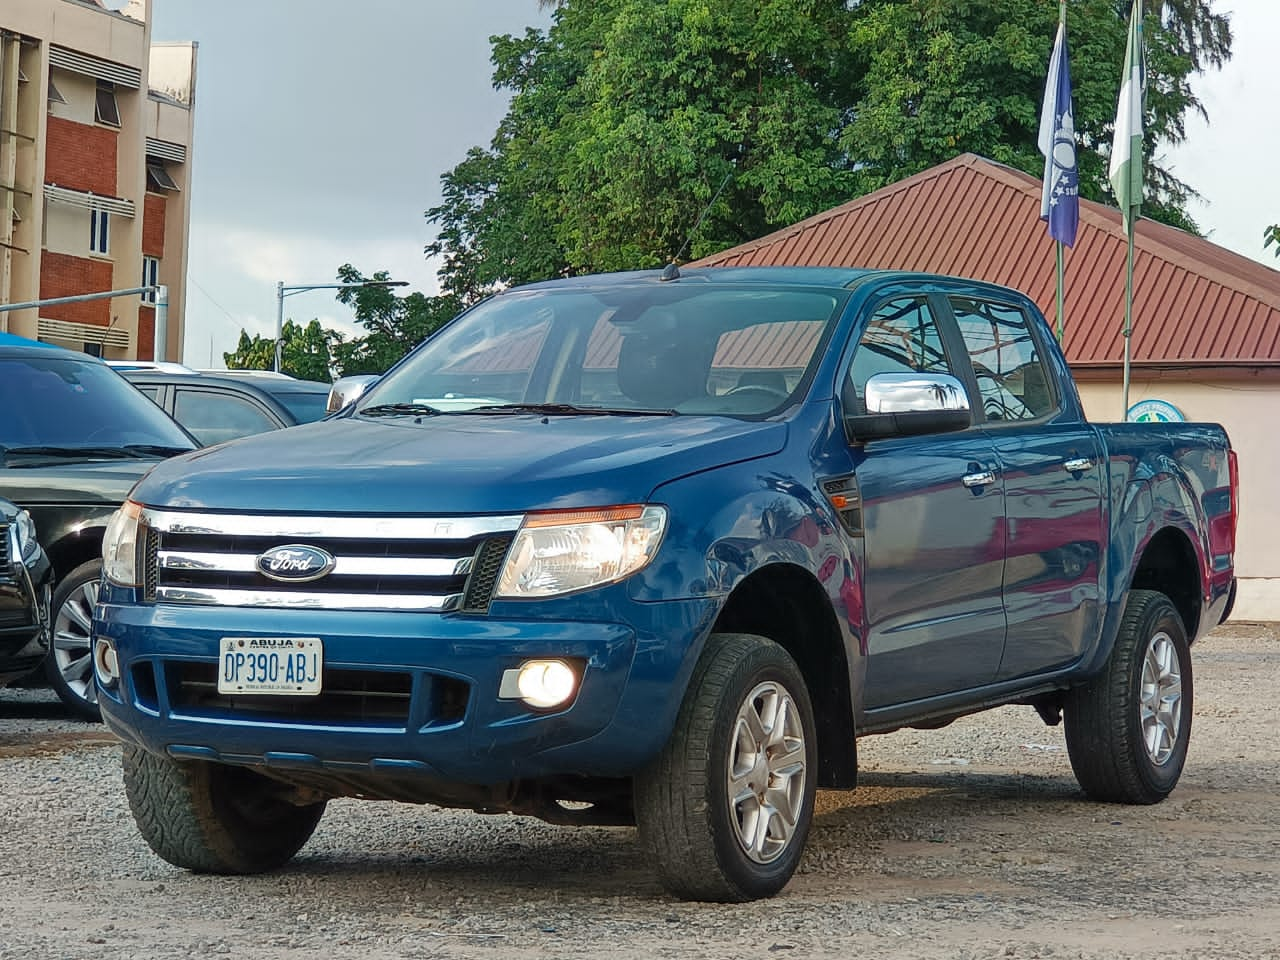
(1060,200)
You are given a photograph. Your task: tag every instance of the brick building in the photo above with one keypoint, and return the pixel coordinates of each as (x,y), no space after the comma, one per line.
(95,155)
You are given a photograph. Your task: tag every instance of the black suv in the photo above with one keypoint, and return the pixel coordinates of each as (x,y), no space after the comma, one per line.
(74,438)
(214,408)
(24,595)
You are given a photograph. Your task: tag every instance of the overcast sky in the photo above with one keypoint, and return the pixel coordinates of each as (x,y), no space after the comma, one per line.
(322,129)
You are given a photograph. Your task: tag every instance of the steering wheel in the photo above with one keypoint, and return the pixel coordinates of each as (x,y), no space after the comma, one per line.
(746,388)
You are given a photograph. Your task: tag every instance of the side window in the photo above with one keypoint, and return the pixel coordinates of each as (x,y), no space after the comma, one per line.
(1010,371)
(150,392)
(901,337)
(216,417)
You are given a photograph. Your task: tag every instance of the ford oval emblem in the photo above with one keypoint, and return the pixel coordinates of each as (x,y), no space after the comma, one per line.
(295,563)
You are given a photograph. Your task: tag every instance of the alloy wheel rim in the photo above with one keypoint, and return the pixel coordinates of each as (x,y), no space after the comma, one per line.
(1160,698)
(72,632)
(766,772)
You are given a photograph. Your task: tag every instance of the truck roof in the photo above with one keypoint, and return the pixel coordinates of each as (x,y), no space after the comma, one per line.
(828,277)
(803,276)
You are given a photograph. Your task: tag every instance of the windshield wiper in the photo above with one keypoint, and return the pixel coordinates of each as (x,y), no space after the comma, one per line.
(98,453)
(398,410)
(157,449)
(568,409)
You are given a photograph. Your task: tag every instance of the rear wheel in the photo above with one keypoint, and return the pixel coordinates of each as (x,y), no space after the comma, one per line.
(214,818)
(69,666)
(725,809)
(1128,729)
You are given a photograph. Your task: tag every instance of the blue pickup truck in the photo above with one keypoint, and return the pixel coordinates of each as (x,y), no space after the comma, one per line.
(656,549)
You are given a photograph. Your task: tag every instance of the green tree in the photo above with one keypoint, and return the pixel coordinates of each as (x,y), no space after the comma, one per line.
(396,324)
(304,352)
(950,76)
(630,118)
(1272,235)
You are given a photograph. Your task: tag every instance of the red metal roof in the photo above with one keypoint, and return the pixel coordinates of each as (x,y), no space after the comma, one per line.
(1194,302)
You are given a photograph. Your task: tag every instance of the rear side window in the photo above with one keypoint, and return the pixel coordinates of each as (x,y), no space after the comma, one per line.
(1010,371)
(305,407)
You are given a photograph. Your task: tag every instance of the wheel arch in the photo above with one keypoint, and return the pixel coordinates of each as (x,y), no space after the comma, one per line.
(1170,565)
(74,547)
(787,604)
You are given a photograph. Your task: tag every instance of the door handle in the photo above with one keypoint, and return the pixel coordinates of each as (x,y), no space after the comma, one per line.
(1078,465)
(983,479)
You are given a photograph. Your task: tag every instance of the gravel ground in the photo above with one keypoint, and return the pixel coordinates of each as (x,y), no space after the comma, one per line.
(971,842)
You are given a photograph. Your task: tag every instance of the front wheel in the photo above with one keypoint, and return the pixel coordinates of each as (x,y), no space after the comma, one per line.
(724,810)
(214,818)
(69,665)
(1127,730)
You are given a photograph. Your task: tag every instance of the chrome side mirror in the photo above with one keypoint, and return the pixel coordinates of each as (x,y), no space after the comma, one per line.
(900,392)
(910,404)
(347,390)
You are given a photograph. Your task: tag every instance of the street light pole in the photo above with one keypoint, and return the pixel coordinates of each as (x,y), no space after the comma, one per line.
(279,321)
(283,290)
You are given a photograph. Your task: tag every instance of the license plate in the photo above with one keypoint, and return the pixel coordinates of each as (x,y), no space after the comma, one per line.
(278,666)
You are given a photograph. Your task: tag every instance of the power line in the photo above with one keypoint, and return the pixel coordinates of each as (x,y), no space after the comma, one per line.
(209,296)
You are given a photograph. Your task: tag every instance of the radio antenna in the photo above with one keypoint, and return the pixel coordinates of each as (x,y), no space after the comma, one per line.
(702,216)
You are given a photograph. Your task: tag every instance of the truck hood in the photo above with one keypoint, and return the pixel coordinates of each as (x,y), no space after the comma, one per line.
(97,481)
(455,464)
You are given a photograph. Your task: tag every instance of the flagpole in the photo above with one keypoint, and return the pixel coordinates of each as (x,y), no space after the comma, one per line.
(1128,308)
(1125,168)
(1060,293)
(1062,22)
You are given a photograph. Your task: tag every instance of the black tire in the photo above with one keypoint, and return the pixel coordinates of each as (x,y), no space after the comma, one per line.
(214,818)
(69,665)
(1106,722)
(683,811)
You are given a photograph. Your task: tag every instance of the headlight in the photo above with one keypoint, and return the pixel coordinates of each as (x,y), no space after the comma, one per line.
(120,559)
(559,551)
(25,545)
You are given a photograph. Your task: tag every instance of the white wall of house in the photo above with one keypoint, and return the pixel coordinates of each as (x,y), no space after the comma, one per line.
(1247,403)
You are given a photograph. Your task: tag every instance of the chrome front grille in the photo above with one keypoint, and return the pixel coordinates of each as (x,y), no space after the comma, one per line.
(431,564)
(4,548)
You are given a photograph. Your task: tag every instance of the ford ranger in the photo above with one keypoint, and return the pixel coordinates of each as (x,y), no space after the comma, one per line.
(656,549)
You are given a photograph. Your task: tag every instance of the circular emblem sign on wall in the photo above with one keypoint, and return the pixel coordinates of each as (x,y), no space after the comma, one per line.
(1155,411)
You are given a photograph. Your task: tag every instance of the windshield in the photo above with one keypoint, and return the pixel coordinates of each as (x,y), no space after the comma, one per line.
(690,348)
(55,401)
(305,407)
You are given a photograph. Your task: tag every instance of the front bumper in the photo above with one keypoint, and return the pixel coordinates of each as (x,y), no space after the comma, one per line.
(411,694)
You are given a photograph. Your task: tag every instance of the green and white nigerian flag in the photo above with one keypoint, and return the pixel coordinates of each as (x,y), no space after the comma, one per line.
(1126,148)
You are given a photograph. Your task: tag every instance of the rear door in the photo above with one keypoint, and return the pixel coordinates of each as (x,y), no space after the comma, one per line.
(932,527)
(1049,458)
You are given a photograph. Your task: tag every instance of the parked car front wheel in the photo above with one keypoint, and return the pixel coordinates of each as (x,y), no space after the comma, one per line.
(69,666)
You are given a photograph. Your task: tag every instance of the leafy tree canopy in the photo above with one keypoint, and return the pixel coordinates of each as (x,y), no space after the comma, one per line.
(396,325)
(304,352)
(631,118)
(1272,235)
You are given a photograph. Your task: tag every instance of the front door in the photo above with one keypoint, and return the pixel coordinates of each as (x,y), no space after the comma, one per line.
(933,519)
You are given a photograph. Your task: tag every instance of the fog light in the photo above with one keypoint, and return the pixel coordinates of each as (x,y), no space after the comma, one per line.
(105,662)
(540,683)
